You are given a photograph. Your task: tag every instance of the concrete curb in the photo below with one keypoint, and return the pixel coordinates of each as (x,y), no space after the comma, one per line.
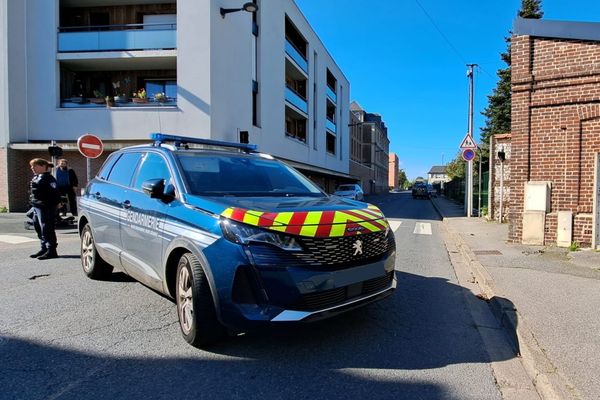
(544,375)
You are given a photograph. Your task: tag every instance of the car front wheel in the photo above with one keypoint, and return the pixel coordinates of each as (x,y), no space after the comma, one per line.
(93,265)
(195,307)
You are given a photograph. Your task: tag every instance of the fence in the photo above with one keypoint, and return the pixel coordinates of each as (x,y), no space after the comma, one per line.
(455,190)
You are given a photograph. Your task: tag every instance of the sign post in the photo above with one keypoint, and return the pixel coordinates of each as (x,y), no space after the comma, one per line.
(89,146)
(468,148)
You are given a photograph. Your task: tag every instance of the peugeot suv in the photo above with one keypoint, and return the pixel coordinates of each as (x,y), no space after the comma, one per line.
(237,238)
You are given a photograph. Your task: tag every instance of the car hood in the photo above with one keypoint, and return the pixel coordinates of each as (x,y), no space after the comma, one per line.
(304,216)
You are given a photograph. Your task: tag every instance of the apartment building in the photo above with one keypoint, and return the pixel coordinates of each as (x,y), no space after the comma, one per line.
(120,69)
(369,159)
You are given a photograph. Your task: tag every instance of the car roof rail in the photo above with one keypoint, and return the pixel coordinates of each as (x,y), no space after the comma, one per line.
(179,141)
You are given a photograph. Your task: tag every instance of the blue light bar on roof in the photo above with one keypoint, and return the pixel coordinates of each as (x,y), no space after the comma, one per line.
(161,137)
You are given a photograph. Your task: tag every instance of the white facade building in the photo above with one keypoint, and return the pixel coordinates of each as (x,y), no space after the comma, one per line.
(264,73)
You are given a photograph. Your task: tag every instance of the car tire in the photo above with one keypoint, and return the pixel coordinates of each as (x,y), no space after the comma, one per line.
(195,307)
(93,265)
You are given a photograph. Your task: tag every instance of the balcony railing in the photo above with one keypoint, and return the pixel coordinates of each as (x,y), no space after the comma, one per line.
(330,125)
(296,56)
(117,37)
(295,99)
(331,94)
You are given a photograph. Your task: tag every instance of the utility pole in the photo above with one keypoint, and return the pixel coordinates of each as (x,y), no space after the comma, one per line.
(469,183)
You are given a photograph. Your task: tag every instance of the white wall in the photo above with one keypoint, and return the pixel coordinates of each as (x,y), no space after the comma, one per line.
(214,74)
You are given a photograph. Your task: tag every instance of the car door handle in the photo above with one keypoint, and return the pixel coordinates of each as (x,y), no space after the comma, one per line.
(126,204)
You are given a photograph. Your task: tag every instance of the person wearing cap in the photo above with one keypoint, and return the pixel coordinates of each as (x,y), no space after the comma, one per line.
(44,198)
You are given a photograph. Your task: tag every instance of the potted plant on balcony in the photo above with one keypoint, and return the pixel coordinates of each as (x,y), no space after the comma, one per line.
(160,97)
(140,96)
(98,97)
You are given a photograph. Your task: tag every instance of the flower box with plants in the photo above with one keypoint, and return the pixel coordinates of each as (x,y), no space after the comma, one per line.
(140,96)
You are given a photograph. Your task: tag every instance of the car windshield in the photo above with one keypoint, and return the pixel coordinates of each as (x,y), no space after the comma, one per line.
(210,174)
(345,187)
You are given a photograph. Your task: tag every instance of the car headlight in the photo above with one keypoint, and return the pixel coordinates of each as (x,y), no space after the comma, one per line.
(244,234)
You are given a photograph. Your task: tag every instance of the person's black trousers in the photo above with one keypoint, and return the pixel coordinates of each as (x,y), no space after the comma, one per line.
(70,193)
(43,222)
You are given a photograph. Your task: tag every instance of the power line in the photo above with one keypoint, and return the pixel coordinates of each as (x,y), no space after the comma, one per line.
(440,32)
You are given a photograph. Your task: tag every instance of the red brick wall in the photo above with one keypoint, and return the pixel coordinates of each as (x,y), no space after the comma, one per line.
(555,128)
(19,173)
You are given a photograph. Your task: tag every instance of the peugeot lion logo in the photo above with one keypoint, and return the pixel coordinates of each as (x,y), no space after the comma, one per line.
(357,247)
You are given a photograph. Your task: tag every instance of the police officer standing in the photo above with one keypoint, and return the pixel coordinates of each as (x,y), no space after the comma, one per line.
(44,200)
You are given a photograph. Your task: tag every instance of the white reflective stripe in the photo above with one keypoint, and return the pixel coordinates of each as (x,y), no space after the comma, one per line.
(292,315)
(422,228)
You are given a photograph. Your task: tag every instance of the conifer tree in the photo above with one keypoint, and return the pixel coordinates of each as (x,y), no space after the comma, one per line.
(497,112)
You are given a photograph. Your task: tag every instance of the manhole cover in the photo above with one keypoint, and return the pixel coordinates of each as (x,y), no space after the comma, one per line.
(487,253)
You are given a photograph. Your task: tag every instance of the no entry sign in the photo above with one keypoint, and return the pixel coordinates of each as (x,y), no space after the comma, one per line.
(90,146)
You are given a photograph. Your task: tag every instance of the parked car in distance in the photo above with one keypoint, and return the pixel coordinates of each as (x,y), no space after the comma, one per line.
(431,190)
(237,238)
(350,191)
(419,191)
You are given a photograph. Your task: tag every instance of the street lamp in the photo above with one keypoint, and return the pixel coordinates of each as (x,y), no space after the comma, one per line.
(249,7)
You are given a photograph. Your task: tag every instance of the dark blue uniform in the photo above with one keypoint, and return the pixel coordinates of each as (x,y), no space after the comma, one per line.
(44,200)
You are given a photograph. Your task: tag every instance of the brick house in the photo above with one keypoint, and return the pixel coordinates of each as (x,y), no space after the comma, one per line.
(554,185)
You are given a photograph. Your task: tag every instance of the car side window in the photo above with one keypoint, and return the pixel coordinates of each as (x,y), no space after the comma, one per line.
(123,170)
(153,166)
(108,164)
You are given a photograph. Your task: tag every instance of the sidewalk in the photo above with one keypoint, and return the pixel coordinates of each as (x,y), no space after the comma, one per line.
(556,301)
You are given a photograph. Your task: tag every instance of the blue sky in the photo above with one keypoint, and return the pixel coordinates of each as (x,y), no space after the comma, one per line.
(401,66)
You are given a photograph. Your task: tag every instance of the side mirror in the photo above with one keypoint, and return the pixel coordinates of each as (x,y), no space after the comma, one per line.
(156,189)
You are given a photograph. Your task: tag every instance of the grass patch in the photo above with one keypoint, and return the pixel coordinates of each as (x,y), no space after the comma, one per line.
(574,246)
(3,209)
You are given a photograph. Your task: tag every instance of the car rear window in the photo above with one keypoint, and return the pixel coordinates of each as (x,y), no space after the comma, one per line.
(232,175)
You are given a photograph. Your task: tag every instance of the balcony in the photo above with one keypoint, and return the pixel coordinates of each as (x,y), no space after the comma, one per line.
(296,100)
(330,125)
(117,37)
(331,94)
(295,55)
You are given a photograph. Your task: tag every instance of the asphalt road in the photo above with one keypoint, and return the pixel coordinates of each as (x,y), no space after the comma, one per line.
(63,336)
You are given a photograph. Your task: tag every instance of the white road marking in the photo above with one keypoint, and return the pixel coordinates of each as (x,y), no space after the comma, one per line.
(394,224)
(422,228)
(16,239)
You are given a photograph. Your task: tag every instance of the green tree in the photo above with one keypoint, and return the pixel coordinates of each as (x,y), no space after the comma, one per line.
(402,179)
(497,113)
(457,167)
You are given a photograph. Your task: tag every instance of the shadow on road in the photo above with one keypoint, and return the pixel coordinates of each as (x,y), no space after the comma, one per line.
(422,326)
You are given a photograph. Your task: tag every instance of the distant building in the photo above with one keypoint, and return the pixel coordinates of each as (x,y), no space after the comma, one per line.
(371,137)
(555,155)
(437,175)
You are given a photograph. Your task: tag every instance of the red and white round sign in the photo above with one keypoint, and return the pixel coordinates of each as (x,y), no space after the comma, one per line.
(90,146)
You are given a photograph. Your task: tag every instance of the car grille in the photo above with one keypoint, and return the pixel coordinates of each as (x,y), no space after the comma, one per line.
(327,253)
(333,297)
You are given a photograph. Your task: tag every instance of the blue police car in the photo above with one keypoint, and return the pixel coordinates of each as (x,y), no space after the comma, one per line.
(236,237)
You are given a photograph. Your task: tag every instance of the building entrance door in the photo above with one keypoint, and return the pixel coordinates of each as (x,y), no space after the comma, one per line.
(596,238)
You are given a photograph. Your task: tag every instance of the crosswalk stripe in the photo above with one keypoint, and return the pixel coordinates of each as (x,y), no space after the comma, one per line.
(394,224)
(13,239)
(422,228)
